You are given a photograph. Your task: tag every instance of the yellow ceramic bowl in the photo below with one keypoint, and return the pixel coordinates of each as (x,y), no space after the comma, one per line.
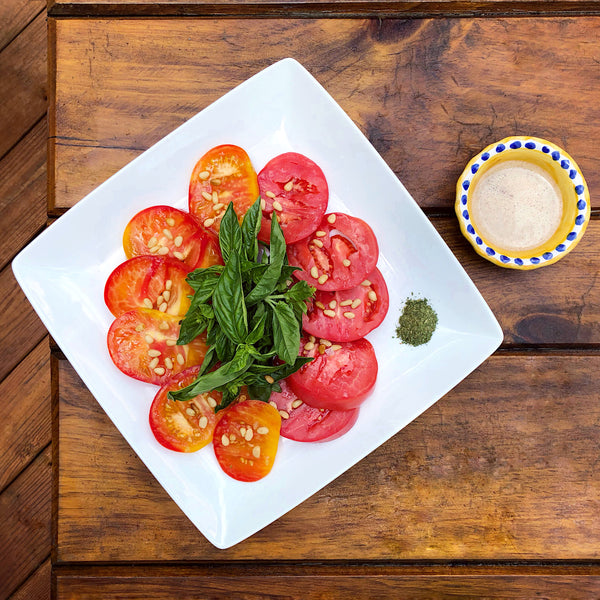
(558,168)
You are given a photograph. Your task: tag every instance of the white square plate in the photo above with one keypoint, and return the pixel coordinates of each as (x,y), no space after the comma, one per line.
(280,109)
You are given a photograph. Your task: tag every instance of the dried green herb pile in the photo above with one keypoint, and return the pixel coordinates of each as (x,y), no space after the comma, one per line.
(417,322)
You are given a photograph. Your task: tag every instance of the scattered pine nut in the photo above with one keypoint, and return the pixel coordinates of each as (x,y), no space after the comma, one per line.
(171,342)
(269,379)
(149,339)
(207,195)
(178,241)
(262,429)
(224,440)
(256,451)
(296,403)
(332,304)
(168,284)
(168,234)
(314,272)
(163,307)
(153,353)
(203,422)
(284,414)
(346,303)
(148,303)
(349,315)
(277,206)
(166,295)
(329,313)
(168,363)
(288,186)
(159,371)
(181,360)
(323,278)
(152,242)
(163,250)
(372,296)
(366,283)
(209,222)
(357,302)
(204,175)
(320,233)
(317,243)
(331,218)
(178,255)
(270,195)
(346,262)
(170,221)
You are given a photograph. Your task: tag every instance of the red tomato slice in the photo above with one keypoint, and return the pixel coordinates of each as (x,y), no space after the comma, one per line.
(142,344)
(223,175)
(167,231)
(295,188)
(246,438)
(150,282)
(184,426)
(339,378)
(348,314)
(338,256)
(304,423)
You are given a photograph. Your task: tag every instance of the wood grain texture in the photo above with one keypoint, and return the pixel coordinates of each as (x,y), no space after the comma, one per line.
(319,582)
(23,192)
(22,83)
(504,467)
(25,510)
(15,15)
(429,94)
(318,8)
(20,328)
(37,586)
(25,413)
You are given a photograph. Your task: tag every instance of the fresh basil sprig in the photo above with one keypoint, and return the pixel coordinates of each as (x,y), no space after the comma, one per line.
(250,310)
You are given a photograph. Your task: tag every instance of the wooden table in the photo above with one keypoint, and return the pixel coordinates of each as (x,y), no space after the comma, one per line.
(494,491)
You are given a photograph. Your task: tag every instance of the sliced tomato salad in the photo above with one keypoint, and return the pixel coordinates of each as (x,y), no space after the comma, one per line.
(223,175)
(148,282)
(339,377)
(338,255)
(303,423)
(246,439)
(143,344)
(184,426)
(294,188)
(168,231)
(346,315)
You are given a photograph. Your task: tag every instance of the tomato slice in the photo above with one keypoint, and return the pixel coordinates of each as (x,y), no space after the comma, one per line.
(223,175)
(339,378)
(338,256)
(347,315)
(246,438)
(295,188)
(184,426)
(150,282)
(167,231)
(304,423)
(142,344)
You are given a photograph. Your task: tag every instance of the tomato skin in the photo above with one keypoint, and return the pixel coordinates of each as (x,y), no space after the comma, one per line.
(227,171)
(339,238)
(299,186)
(370,305)
(129,348)
(146,278)
(183,426)
(303,423)
(235,448)
(145,235)
(338,379)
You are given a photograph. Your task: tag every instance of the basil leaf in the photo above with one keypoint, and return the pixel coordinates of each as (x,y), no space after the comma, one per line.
(228,301)
(208,362)
(258,330)
(260,392)
(250,228)
(217,378)
(277,258)
(230,234)
(195,322)
(286,332)
(204,277)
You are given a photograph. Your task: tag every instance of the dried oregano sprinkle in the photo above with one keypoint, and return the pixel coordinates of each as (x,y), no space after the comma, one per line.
(417,322)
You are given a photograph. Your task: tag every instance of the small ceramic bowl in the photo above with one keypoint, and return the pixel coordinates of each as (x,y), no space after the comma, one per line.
(571,206)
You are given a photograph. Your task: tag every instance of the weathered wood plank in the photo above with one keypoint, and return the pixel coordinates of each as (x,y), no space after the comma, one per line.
(23,192)
(503,467)
(37,586)
(20,328)
(22,83)
(25,511)
(316,582)
(429,94)
(25,413)
(15,16)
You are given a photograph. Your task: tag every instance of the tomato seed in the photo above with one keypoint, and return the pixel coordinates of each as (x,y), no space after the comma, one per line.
(218,206)
(332,304)
(318,243)
(163,326)
(163,307)
(203,422)
(163,250)
(277,206)
(168,363)
(346,262)
(349,315)
(243,431)
(335,347)
(152,352)
(319,304)
(167,234)
(309,346)
(211,401)
(273,404)
(166,295)
(320,233)
(178,255)
(181,360)
(152,242)
(168,284)
(207,196)
(314,272)
(346,303)
(249,434)
(296,403)
(270,195)
(331,219)
(178,241)
(372,296)
(356,303)
(329,313)
(323,278)
(284,414)
(215,197)
(204,175)
(159,300)
(153,363)
(190,411)
(209,222)
(263,430)
(224,440)
(256,451)
(171,342)
(155,249)
(215,181)
(149,339)
(139,327)
(325,343)
(263,204)
(159,371)
(148,303)
(170,221)
(288,186)
(366,283)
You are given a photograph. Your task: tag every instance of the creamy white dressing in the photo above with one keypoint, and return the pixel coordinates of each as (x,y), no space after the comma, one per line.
(516,206)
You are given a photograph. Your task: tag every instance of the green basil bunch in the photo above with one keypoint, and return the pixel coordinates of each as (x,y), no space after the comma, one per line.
(251,311)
